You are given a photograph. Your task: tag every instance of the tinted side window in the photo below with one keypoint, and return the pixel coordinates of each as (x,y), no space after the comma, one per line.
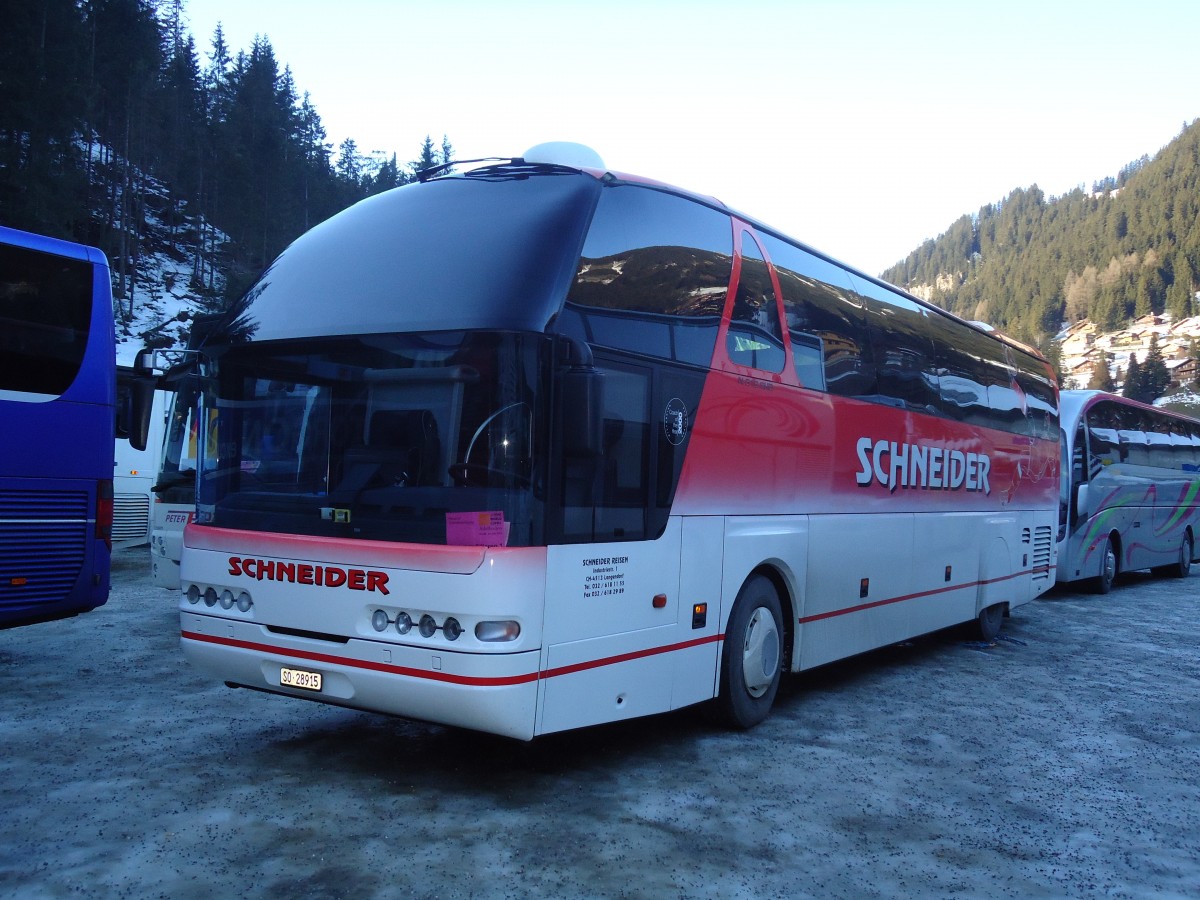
(825,321)
(1041,400)
(1104,449)
(754,338)
(903,350)
(653,276)
(45,316)
(970,365)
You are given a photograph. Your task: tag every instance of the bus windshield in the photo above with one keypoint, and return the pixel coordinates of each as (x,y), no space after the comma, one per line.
(428,438)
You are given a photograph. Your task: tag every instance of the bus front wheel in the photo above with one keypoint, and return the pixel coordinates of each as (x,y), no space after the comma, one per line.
(752,659)
(989,621)
(1108,568)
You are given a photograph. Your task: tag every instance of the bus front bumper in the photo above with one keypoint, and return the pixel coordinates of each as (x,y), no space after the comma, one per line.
(496,693)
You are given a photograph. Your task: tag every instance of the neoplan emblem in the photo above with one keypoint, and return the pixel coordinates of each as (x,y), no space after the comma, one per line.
(675,421)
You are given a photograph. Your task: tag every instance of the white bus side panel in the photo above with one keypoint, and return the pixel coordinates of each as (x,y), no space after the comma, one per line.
(777,542)
(608,645)
(840,615)
(700,576)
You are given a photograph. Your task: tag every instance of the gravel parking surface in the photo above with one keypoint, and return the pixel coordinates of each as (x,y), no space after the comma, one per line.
(1060,762)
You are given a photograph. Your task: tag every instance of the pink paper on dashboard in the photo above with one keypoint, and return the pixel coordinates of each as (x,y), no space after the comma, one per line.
(484,529)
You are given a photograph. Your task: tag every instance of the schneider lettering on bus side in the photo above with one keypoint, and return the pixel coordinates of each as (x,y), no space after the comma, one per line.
(918,466)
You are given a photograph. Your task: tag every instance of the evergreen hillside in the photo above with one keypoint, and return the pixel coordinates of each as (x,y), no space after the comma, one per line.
(114,133)
(1028,264)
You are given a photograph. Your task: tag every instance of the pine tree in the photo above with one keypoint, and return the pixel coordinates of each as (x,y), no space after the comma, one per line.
(1101,379)
(1133,379)
(428,158)
(1155,379)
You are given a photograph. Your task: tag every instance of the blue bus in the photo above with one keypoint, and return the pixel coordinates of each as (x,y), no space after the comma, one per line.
(57,427)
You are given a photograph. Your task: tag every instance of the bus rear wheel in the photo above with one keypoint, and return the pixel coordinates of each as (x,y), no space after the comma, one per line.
(751,662)
(1182,567)
(990,620)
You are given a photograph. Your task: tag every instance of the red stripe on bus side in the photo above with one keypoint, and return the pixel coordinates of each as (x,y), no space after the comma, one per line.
(942,590)
(471,680)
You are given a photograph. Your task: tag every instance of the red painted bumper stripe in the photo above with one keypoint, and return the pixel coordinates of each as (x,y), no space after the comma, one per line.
(470,680)
(942,590)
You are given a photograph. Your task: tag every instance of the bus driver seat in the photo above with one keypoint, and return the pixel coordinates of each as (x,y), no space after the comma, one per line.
(402,450)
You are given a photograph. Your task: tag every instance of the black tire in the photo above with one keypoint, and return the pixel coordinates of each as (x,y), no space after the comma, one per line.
(988,623)
(751,662)
(1103,583)
(1182,567)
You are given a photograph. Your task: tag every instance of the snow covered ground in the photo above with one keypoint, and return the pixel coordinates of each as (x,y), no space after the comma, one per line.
(1061,763)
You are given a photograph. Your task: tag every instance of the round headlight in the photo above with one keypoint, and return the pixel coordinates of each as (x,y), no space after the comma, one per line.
(451,629)
(193,593)
(379,620)
(226,599)
(427,626)
(244,602)
(210,596)
(403,622)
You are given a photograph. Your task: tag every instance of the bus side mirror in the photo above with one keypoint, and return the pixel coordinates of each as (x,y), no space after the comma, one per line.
(136,402)
(1081,501)
(133,413)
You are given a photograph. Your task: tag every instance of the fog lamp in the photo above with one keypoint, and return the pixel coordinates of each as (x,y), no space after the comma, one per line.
(497,631)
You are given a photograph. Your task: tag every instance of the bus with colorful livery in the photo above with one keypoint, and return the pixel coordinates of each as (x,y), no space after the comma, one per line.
(57,425)
(536,445)
(1130,489)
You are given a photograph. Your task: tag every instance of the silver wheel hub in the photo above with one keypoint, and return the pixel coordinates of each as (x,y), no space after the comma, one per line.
(760,652)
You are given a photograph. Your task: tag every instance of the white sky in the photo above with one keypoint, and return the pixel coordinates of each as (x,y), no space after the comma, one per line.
(862,127)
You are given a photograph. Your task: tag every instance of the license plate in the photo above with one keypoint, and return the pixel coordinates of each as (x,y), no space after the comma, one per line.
(298,678)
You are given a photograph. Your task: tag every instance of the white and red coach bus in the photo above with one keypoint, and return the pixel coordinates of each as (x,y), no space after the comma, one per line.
(540,446)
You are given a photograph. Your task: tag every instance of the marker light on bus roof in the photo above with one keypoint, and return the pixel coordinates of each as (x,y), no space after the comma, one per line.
(564,153)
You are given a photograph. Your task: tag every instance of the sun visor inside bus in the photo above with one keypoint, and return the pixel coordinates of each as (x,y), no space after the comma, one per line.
(454,253)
